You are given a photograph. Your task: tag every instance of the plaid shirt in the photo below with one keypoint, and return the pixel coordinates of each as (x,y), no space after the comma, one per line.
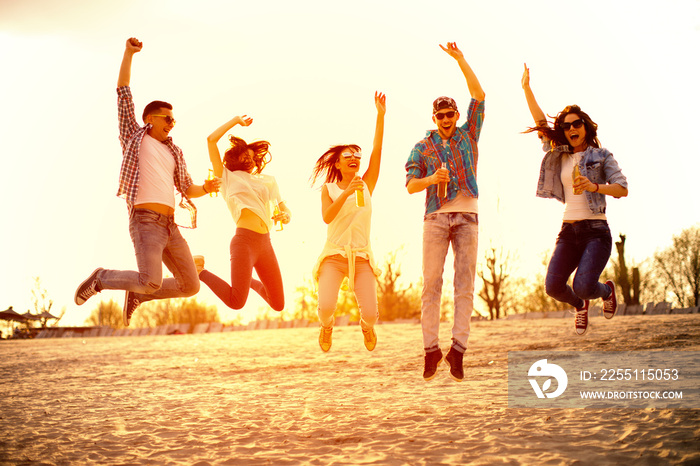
(461,156)
(130,137)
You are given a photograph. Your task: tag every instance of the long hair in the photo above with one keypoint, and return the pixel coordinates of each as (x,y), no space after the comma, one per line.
(325,165)
(261,154)
(558,136)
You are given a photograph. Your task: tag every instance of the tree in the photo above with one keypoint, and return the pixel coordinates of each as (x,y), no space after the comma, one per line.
(630,284)
(41,302)
(174,311)
(679,267)
(155,313)
(495,277)
(108,313)
(535,298)
(396,301)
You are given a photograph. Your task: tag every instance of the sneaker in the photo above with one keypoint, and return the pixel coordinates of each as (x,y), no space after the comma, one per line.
(454,360)
(432,361)
(131,302)
(89,288)
(370,338)
(610,304)
(198,263)
(325,338)
(582,318)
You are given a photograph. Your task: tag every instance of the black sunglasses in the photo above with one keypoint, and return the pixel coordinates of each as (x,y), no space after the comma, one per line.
(576,124)
(440,116)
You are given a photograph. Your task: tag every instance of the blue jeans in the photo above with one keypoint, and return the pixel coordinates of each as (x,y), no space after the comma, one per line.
(583,246)
(157,240)
(461,230)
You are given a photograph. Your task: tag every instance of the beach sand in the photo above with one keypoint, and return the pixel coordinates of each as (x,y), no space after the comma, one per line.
(272,397)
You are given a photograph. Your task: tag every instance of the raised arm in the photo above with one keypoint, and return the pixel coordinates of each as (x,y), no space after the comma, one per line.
(475,89)
(535,110)
(214,137)
(372,174)
(132,46)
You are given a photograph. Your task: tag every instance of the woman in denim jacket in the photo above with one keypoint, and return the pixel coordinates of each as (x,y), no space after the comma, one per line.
(579,173)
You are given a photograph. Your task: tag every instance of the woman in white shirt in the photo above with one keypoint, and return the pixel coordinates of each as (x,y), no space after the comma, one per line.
(579,173)
(347,210)
(250,197)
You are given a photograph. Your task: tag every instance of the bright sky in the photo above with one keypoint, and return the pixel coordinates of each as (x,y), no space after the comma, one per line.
(306,71)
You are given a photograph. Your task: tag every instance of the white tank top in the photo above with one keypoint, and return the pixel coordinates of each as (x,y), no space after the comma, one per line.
(576,206)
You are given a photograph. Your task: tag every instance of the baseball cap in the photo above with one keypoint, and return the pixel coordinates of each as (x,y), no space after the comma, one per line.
(444,102)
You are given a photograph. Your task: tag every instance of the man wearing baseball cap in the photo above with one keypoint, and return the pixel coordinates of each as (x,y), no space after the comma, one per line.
(444,165)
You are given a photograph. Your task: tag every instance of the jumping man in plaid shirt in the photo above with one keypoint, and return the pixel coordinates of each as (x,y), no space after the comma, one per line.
(451,217)
(151,167)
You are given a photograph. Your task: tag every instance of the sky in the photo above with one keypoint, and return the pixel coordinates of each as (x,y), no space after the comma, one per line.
(306,72)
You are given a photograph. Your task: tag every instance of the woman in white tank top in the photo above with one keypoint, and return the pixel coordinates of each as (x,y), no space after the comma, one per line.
(579,173)
(347,210)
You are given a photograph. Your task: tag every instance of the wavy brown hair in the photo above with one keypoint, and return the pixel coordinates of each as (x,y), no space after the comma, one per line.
(261,154)
(325,165)
(557,135)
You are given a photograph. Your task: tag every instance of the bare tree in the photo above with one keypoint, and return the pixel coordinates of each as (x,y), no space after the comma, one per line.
(41,303)
(495,277)
(679,267)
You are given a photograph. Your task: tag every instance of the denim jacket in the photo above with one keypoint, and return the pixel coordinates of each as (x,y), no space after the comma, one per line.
(596,164)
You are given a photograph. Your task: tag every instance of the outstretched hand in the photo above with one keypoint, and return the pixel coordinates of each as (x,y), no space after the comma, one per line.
(133,45)
(380,102)
(525,81)
(452,50)
(244,120)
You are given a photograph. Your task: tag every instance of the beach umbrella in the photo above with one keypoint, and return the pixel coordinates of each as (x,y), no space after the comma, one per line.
(47,315)
(10,314)
(31,316)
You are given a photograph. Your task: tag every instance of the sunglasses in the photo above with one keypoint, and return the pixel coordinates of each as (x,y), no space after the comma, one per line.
(440,116)
(168,119)
(347,155)
(576,124)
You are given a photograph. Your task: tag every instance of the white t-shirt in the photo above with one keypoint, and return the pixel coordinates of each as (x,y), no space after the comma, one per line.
(576,206)
(241,190)
(156,173)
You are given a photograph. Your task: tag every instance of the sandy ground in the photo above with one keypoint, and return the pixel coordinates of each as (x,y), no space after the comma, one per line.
(272,397)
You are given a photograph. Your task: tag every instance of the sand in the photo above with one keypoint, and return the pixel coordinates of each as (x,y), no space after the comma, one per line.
(272,397)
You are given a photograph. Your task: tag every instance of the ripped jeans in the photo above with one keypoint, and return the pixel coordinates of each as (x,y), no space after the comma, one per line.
(157,240)
(440,230)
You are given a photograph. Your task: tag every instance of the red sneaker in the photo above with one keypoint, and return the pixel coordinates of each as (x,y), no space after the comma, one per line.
(610,304)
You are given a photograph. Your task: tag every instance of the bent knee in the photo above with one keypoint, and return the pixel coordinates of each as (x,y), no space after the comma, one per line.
(191,289)
(278,306)
(585,290)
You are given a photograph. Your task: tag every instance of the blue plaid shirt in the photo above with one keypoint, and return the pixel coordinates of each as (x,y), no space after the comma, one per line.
(461,156)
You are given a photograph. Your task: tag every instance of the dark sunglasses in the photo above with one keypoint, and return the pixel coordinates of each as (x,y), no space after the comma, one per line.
(348,155)
(576,124)
(440,116)
(168,119)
